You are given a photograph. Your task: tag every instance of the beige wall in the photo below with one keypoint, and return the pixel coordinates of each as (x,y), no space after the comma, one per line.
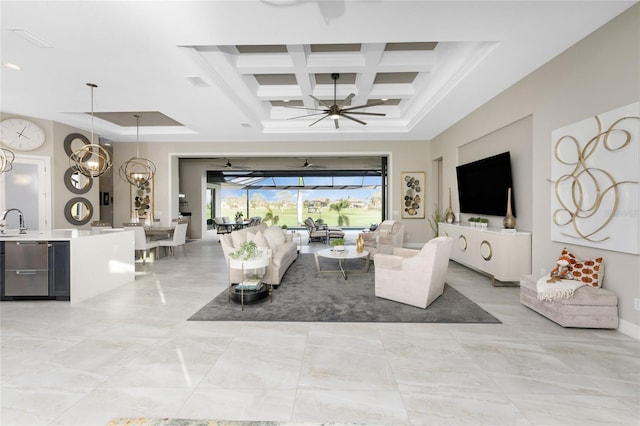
(55,133)
(403,156)
(596,75)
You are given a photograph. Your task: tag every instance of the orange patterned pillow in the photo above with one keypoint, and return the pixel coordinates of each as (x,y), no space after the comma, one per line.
(588,272)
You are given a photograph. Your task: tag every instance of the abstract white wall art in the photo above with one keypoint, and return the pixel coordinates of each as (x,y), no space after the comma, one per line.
(595,194)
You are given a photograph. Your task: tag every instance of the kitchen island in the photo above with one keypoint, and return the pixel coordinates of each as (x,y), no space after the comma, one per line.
(80,264)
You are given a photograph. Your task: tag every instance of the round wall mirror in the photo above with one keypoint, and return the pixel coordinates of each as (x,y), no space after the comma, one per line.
(76,182)
(74,142)
(78,211)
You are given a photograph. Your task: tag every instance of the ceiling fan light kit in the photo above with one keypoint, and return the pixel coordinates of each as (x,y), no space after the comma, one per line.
(337,110)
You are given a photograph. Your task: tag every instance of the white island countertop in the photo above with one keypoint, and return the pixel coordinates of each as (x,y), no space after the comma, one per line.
(98,261)
(50,235)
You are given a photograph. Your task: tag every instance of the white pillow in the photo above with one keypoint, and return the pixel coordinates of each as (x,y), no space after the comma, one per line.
(275,237)
(259,239)
(238,237)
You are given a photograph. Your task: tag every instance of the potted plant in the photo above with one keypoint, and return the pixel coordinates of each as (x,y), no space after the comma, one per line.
(473,221)
(247,250)
(338,244)
(434,220)
(239,216)
(484,222)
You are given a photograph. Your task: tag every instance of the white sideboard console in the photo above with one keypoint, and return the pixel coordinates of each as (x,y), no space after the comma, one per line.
(505,256)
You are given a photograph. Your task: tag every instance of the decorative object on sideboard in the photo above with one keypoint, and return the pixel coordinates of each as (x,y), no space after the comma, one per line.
(450,217)
(91,160)
(434,220)
(6,160)
(137,170)
(509,221)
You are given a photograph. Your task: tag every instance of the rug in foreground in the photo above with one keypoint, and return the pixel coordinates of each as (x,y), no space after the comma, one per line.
(304,295)
(142,421)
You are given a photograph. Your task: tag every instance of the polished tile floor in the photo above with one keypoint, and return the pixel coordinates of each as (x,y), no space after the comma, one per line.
(131,353)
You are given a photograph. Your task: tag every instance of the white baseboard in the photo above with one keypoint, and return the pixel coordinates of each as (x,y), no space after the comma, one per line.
(629,328)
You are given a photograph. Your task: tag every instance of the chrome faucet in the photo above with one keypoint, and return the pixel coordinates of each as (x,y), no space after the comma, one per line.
(21,225)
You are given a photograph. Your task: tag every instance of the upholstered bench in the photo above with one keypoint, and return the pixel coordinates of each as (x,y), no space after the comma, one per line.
(589,307)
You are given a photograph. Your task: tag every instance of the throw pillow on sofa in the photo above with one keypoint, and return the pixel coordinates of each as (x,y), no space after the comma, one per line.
(589,272)
(259,239)
(274,236)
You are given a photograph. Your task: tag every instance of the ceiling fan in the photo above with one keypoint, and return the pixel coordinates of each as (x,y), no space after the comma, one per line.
(336,110)
(308,165)
(229,166)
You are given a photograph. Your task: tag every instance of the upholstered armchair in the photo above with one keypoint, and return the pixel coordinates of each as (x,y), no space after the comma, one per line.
(413,277)
(388,235)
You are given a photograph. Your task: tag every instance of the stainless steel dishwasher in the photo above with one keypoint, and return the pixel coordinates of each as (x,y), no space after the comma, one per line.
(26,268)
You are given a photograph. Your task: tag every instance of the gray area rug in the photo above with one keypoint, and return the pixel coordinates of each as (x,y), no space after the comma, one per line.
(305,295)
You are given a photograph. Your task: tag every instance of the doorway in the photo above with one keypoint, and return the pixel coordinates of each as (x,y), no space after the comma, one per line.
(27,187)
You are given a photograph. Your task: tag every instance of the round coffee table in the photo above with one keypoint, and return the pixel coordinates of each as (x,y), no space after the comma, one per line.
(349,252)
(251,289)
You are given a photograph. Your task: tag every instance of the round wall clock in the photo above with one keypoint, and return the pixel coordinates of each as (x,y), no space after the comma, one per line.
(21,135)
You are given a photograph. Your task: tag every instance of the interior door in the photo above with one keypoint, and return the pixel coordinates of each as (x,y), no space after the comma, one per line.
(27,187)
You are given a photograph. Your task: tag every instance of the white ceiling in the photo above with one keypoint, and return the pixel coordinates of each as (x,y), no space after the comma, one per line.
(146,56)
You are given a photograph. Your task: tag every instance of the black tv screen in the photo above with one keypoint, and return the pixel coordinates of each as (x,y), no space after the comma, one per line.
(483,186)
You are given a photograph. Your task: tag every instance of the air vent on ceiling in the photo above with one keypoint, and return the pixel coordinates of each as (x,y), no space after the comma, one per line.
(197,81)
(30,37)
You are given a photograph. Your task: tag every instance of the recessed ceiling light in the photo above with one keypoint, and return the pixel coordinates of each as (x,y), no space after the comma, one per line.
(12,66)
(285,100)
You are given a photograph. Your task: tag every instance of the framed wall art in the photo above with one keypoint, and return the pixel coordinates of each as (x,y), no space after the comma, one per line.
(413,187)
(142,201)
(595,194)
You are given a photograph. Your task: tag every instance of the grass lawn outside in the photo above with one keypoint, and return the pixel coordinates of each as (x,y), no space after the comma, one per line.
(358,218)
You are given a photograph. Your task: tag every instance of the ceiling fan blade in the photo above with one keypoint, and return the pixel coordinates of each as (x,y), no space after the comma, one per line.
(320,119)
(320,101)
(354,119)
(347,99)
(306,115)
(310,109)
(335,121)
(364,106)
(380,114)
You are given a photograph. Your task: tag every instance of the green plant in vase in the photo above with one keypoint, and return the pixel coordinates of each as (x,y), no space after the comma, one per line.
(434,220)
(247,251)
(337,242)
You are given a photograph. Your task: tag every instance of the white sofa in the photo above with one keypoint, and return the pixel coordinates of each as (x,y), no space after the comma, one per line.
(284,251)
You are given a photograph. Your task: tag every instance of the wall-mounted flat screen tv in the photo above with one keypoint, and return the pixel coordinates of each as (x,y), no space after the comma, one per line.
(483,186)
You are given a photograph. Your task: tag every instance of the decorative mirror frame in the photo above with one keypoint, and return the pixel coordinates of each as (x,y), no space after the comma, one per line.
(72,220)
(68,149)
(67,182)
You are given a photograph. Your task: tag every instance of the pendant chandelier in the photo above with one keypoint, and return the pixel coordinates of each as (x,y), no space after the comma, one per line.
(137,170)
(91,160)
(6,160)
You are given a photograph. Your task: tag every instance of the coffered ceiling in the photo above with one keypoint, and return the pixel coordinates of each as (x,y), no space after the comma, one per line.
(248,70)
